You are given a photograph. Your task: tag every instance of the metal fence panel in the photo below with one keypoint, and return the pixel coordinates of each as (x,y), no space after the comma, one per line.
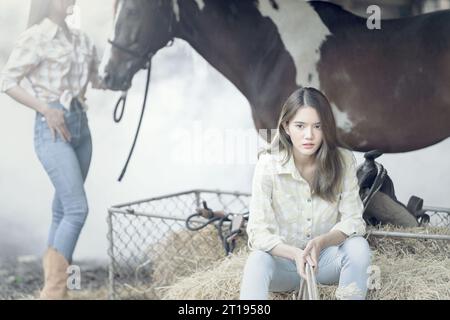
(147,237)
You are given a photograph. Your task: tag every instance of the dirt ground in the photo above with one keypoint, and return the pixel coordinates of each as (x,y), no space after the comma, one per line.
(22,278)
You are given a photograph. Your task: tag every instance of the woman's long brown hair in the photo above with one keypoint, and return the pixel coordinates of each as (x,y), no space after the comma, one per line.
(328,176)
(39,10)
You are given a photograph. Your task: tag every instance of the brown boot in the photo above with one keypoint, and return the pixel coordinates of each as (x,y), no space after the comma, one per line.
(55,276)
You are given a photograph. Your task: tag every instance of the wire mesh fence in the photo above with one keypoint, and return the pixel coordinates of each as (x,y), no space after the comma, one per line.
(439,217)
(150,246)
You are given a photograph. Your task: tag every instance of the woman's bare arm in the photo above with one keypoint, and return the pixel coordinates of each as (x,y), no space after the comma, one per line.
(22,96)
(54,117)
(332,238)
(295,254)
(285,251)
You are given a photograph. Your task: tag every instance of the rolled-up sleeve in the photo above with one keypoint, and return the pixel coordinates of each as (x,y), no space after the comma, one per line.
(262,227)
(350,205)
(22,60)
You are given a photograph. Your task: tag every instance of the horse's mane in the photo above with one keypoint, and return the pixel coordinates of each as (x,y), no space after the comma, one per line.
(228,3)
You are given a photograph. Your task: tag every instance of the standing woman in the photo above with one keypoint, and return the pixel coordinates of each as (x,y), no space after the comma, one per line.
(58,62)
(305,207)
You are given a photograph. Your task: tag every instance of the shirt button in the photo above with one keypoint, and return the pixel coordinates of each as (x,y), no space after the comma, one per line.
(308,236)
(309,200)
(309,219)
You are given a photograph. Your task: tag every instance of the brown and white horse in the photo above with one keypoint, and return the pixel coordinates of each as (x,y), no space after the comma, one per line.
(389,87)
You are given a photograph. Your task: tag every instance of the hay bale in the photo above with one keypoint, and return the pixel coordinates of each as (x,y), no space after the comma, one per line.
(401,247)
(185,252)
(220,282)
(180,253)
(410,269)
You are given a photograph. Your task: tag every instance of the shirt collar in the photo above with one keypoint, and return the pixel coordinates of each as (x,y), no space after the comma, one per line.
(51,29)
(287,168)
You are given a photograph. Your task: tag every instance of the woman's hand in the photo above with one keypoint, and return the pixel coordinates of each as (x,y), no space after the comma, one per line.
(55,118)
(300,261)
(101,85)
(56,123)
(299,256)
(312,252)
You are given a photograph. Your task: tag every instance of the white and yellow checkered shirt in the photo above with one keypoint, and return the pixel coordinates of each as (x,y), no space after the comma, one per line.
(57,69)
(283,210)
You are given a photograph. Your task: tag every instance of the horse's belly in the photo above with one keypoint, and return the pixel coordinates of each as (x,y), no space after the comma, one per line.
(303,33)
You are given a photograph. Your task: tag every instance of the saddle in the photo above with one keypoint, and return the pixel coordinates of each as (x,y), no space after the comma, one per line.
(228,235)
(373,178)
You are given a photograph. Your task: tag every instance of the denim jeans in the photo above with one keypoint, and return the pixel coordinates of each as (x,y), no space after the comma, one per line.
(345,264)
(67,165)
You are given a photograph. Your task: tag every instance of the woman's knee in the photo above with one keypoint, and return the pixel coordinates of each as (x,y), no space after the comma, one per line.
(77,211)
(257,275)
(260,261)
(357,251)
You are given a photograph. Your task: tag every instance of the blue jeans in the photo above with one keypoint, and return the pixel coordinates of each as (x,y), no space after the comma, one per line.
(345,264)
(67,165)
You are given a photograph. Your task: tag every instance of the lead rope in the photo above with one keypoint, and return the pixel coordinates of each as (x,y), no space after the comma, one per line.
(308,287)
(122,101)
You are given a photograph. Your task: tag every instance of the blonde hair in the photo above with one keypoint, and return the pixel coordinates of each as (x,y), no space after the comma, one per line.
(39,10)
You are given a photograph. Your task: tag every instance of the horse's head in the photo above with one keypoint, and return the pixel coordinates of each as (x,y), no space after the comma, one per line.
(141,28)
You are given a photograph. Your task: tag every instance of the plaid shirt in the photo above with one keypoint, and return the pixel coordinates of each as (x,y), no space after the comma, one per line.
(283,210)
(56,68)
